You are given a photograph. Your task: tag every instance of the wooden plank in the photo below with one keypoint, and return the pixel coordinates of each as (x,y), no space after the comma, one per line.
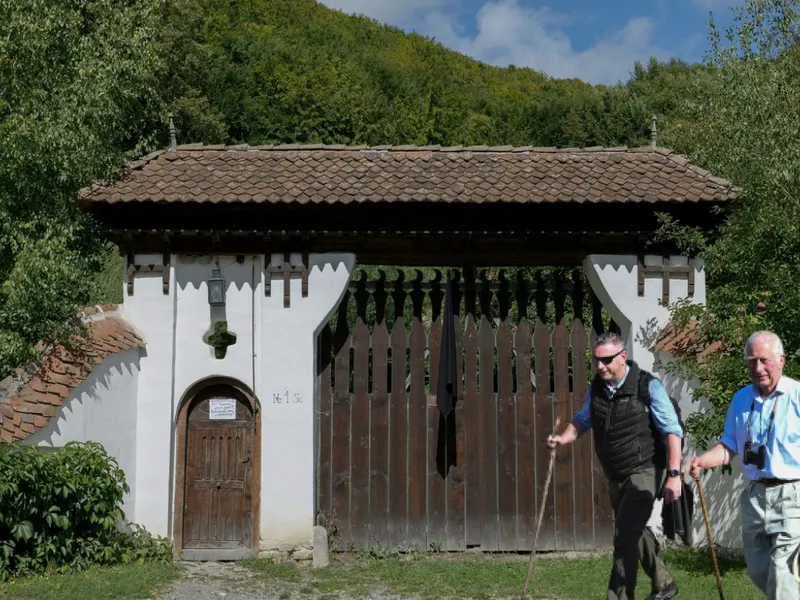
(359,438)
(472,441)
(340,446)
(437,482)
(582,448)
(526,450)
(398,436)
(603,514)
(543,409)
(488,435)
(190,519)
(506,441)
(563,477)
(324,406)
(456,433)
(379,440)
(417,439)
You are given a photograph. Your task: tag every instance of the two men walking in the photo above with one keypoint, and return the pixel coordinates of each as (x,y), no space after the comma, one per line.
(638,442)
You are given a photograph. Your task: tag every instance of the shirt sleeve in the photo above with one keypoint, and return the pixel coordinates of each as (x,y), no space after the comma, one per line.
(584,416)
(728,438)
(664,416)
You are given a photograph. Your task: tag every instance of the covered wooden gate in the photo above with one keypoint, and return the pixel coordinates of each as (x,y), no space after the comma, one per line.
(392,472)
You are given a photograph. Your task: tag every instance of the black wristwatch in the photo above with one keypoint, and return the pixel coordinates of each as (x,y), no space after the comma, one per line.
(673,473)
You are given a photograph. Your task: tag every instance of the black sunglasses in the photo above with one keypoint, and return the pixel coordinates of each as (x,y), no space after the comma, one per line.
(606,360)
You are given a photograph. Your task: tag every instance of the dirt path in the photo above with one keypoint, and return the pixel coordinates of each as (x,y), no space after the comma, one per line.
(231,581)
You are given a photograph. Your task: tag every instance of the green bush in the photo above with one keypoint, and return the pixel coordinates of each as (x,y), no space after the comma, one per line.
(62,510)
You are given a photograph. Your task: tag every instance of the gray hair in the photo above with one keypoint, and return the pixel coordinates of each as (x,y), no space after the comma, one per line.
(609,337)
(772,340)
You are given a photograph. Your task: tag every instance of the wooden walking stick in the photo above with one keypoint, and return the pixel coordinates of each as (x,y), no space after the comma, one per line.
(708,533)
(541,513)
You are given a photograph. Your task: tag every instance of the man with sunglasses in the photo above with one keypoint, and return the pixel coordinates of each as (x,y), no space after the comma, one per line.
(637,438)
(762,427)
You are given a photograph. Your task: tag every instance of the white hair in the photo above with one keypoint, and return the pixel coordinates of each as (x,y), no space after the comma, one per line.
(771,339)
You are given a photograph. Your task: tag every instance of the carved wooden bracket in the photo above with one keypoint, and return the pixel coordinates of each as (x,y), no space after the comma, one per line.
(666,270)
(286,269)
(133,268)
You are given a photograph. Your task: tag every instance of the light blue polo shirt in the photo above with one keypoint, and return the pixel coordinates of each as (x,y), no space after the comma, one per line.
(781,435)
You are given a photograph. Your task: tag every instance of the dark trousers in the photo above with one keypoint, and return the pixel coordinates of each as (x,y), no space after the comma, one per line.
(634,542)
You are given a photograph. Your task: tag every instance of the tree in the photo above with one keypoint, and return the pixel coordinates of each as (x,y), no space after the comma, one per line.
(743,123)
(76,98)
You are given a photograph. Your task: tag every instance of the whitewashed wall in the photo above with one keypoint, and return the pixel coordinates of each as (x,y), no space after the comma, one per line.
(102,409)
(153,313)
(721,490)
(273,355)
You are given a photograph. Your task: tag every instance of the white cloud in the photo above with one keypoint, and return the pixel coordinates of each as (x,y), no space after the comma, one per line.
(386,11)
(507,33)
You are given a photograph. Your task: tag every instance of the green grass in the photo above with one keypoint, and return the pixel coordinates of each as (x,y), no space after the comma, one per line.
(436,576)
(108,583)
(484,578)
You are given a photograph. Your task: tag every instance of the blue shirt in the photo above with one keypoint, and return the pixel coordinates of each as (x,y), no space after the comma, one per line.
(664,417)
(781,435)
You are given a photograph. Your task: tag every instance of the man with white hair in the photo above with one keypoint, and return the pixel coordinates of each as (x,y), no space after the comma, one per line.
(762,427)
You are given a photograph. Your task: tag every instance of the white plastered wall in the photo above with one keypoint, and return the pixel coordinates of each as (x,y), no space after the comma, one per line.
(102,409)
(274,354)
(721,491)
(153,314)
(287,388)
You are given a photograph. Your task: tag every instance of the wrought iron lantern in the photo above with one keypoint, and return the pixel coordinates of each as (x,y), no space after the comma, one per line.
(216,288)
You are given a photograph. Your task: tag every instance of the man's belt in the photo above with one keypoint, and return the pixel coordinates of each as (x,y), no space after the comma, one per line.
(771,482)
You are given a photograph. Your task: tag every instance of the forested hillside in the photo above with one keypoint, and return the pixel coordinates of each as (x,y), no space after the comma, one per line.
(88,85)
(296,71)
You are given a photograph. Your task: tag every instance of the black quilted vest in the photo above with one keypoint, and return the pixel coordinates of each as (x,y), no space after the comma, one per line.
(625,438)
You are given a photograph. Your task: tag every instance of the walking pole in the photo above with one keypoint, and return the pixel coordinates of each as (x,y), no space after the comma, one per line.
(541,512)
(710,541)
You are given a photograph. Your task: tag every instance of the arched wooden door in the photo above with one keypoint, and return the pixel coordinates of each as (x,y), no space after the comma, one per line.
(220,475)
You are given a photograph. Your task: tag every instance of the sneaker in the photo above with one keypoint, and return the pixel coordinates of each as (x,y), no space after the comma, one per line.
(668,591)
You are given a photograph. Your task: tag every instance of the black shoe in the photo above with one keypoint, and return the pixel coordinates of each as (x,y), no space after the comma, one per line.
(668,591)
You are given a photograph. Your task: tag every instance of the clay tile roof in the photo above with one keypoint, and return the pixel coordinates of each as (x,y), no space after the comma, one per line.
(331,174)
(678,341)
(33,394)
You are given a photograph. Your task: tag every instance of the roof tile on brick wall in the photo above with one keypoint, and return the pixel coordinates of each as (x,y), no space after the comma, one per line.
(30,397)
(675,340)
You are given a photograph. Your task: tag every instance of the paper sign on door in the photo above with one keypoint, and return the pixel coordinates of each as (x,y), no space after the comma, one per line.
(221,408)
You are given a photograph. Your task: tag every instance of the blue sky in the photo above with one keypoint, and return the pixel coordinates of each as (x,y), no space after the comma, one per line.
(592,40)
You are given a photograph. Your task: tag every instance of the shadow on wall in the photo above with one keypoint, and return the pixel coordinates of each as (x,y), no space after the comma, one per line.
(721,491)
(101,409)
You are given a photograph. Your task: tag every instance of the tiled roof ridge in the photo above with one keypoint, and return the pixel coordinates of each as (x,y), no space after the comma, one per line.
(401,148)
(31,395)
(665,156)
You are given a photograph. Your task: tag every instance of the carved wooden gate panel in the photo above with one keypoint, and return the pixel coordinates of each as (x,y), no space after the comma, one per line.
(392,472)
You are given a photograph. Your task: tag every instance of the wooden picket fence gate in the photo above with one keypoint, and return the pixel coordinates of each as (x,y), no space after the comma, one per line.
(393,473)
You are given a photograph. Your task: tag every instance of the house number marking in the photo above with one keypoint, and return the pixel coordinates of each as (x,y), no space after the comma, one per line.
(287,398)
